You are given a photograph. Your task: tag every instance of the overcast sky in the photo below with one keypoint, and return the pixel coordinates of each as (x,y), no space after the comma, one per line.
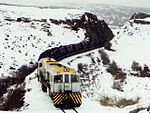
(133,3)
(136,3)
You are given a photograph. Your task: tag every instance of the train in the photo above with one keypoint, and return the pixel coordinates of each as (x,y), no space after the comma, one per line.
(62,83)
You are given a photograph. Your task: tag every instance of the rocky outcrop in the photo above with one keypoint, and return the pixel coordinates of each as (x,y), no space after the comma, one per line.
(140,16)
(141,22)
(97,35)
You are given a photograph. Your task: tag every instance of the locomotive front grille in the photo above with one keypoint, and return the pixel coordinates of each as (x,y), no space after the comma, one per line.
(65,99)
(76,97)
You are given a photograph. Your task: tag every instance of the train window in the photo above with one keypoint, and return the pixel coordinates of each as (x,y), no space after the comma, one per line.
(74,78)
(58,78)
(66,78)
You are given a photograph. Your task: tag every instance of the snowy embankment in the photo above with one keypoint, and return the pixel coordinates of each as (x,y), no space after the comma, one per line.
(131,44)
(22,42)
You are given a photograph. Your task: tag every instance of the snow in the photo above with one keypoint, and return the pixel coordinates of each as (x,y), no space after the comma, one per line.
(38,13)
(131,44)
(22,43)
(40,102)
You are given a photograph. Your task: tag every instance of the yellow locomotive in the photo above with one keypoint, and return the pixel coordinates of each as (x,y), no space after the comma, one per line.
(62,83)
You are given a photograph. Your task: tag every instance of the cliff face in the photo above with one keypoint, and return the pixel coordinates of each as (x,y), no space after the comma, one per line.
(97,35)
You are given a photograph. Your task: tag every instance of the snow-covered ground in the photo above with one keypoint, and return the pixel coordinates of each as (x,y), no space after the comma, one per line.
(22,43)
(132,44)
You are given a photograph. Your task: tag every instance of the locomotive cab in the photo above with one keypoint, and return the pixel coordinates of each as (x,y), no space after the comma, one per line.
(66,82)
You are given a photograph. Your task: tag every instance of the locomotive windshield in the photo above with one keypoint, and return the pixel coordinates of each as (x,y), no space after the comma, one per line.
(66,78)
(74,78)
(58,78)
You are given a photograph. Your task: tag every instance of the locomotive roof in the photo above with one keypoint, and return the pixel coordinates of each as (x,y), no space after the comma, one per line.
(56,67)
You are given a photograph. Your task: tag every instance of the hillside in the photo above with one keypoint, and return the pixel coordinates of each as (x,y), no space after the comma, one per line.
(128,64)
(109,84)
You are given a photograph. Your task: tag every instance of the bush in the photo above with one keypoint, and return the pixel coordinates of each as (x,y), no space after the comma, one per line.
(107,101)
(104,57)
(80,67)
(136,66)
(140,71)
(116,71)
(145,72)
(24,71)
(118,85)
(14,99)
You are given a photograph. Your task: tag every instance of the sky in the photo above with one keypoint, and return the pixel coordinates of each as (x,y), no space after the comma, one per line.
(132,3)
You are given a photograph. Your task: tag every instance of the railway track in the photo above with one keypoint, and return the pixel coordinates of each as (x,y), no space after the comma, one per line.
(73,110)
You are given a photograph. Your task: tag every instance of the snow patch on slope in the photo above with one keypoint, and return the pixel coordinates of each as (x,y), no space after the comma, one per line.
(24,42)
(131,44)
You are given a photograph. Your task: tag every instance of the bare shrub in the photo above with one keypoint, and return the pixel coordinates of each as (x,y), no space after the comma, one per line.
(137,110)
(140,71)
(82,67)
(113,68)
(24,71)
(107,101)
(116,71)
(118,85)
(145,72)
(14,99)
(104,57)
(136,66)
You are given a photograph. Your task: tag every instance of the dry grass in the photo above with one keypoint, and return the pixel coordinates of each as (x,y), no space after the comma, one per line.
(107,101)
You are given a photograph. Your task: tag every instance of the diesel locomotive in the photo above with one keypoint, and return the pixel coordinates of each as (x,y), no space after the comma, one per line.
(60,82)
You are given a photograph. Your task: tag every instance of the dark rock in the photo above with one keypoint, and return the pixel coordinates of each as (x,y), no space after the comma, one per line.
(97,35)
(23,19)
(141,22)
(139,16)
(137,110)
